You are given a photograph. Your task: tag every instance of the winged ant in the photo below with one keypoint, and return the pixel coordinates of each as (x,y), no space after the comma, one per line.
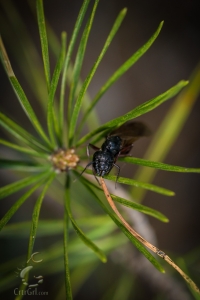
(117,144)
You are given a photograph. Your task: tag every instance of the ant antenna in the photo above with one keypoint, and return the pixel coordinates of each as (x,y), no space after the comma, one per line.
(86,167)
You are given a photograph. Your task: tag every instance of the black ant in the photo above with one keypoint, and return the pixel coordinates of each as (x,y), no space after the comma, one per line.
(117,144)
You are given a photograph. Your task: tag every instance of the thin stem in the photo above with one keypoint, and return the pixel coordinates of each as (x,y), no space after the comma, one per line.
(67,61)
(66,238)
(145,242)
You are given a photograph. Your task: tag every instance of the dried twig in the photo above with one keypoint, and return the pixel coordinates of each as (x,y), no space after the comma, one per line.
(145,242)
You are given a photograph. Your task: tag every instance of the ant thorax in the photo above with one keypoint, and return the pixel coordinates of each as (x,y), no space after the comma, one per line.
(112,144)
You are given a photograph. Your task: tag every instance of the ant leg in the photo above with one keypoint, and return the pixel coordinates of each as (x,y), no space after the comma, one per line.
(86,167)
(124,151)
(93,147)
(88,150)
(94,173)
(88,154)
(97,179)
(117,174)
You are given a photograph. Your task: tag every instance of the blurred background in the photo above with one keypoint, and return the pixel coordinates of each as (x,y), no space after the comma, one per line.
(173,57)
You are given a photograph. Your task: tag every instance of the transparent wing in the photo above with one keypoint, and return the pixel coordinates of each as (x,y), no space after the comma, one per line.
(130,132)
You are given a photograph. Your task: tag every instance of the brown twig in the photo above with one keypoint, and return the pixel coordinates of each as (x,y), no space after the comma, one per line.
(145,242)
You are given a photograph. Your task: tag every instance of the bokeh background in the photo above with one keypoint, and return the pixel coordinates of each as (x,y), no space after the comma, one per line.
(173,57)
